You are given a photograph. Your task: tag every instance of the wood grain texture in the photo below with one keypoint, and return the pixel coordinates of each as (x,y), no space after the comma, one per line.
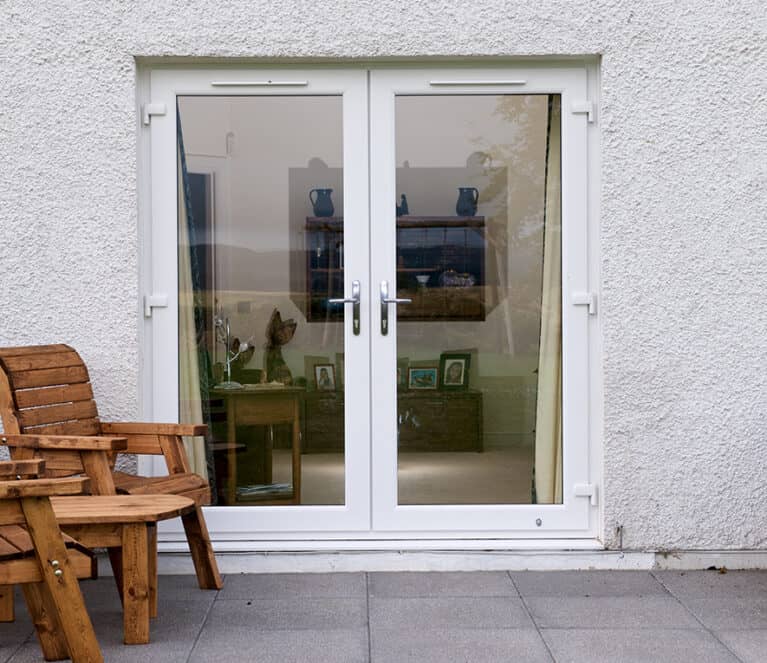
(70,393)
(203,557)
(136,603)
(62,589)
(105,509)
(175,454)
(36,361)
(28,468)
(42,487)
(7,610)
(75,442)
(30,350)
(52,414)
(49,377)
(142,428)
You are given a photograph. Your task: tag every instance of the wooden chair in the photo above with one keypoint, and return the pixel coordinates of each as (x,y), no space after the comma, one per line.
(48,411)
(34,554)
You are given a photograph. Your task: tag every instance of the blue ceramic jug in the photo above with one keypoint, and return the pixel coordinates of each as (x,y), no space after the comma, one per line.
(322,204)
(468,197)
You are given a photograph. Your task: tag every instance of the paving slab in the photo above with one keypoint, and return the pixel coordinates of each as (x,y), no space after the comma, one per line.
(522,645)
(293,585)
(103,592)
(635,646)
(433,584)
(172,635)
(610,612)
(288,614)
(712,584)
(730,614)
(587,583)
(748,646)
(448,612)
(243,644)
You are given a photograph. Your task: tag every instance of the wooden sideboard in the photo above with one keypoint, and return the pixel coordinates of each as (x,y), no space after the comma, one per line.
(429,421)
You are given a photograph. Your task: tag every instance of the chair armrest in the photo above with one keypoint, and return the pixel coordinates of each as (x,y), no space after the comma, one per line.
(42,487)
(73,442)
(14,468)
(138,428)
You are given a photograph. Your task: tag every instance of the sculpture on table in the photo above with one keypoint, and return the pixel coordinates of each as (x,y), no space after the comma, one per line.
(234,350)
(279,332)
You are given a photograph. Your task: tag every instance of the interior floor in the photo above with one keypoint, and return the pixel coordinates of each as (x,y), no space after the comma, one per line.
(490,477)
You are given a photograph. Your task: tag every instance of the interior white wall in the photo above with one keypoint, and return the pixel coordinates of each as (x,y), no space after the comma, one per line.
(682,194)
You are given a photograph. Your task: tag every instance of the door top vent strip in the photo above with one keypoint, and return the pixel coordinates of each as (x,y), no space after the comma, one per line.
(259,83)
(438,83)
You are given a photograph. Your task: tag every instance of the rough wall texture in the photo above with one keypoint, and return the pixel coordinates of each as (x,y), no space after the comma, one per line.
(683,122)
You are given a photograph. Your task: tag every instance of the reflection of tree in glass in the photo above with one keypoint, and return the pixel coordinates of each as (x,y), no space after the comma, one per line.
(514,171)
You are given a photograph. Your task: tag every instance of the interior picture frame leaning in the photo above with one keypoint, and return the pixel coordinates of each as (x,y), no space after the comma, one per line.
(454,371)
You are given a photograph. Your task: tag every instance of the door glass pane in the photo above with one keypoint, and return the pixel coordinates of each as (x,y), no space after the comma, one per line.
(260,251)
(479,253)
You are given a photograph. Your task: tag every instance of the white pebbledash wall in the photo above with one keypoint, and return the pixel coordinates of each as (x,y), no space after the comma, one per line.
(683,122)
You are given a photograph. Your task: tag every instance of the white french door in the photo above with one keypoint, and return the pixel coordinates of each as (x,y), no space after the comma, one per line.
(451,399)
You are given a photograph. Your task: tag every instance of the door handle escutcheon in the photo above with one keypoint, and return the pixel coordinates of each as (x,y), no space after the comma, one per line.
(354,300)
(385,301)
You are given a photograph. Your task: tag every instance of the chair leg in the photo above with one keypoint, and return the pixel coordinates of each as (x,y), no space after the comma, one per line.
(6,603)
(116,562)
(135,573)
(152,567)
(203,557)
(47,627)
(60,582)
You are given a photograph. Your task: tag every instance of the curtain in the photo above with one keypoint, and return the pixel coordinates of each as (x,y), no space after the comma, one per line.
(193,399)
(548,420)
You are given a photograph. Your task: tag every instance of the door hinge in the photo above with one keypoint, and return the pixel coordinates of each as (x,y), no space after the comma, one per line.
(147,110)
(585,299)
(154,301)
(587,107)
(587,490)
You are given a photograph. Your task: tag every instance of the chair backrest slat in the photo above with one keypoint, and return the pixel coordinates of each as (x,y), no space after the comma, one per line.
(71,393)
(42,360)
(47,391)
(54,414)
(48,377)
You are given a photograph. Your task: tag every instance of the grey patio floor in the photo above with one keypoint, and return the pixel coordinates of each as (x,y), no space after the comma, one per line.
(422,617)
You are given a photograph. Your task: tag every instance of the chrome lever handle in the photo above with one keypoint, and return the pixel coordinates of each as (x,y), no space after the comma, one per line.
(385,301)
(355,301)
(398,301)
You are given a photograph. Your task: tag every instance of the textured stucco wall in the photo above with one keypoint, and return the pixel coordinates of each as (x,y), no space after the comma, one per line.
(683,122)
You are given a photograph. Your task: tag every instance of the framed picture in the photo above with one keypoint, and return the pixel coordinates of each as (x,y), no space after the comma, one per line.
(325,377)
(310,361)
(422,378)
(454,370)
(402,364)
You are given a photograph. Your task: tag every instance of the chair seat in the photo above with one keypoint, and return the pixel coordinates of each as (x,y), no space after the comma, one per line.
(185,484)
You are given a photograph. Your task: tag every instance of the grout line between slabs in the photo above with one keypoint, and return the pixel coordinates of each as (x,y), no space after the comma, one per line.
(367,604)
(694,616)
(532,619)
(204,623)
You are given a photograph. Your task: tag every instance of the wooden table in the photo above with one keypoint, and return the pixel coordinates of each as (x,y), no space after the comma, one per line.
(262,407)
(127,525)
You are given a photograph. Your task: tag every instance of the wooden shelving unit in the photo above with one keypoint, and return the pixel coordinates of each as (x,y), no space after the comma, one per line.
(450,250)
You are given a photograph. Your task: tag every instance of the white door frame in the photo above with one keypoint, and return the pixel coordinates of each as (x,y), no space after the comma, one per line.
(572,518)
(165,86)
(242,528)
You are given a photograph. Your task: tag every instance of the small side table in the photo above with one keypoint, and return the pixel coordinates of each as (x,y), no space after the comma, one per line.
(262,407)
